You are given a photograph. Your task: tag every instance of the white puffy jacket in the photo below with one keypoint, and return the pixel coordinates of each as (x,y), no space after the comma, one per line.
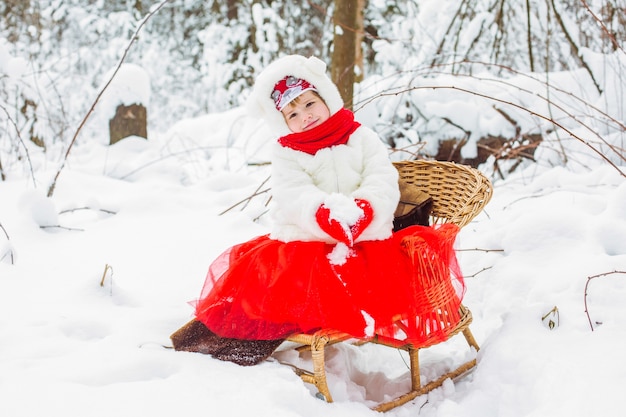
(301,182)
(359,169)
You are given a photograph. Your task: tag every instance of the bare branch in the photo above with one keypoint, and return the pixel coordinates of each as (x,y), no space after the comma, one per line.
(474,275)
(86,208)
(58,226)
(107,268)
(247,200)
(587,287)
(21,140)
(10,250)
(606,31)
(575,50)
(529,38)
(480,250)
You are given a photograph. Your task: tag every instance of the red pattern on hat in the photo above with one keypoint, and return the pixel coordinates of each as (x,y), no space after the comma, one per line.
(288,89)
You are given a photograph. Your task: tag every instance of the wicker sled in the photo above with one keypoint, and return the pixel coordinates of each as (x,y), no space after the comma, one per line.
(459,194)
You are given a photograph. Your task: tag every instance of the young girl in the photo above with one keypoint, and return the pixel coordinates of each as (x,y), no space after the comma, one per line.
(331,259)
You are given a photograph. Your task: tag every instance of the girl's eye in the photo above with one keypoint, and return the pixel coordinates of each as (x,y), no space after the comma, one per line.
(291,115)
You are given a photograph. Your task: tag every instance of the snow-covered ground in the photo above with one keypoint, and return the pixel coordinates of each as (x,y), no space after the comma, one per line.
(95,279)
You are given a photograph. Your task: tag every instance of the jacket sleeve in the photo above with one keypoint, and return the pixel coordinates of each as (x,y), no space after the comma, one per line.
(379,185)
(296,197)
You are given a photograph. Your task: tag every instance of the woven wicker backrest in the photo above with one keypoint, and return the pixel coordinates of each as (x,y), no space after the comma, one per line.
(459,191)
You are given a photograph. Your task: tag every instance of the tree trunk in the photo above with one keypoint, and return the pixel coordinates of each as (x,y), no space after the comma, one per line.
(128,121)
(359,70)
(344,48)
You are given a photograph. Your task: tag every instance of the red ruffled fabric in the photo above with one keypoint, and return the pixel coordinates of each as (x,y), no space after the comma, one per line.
(265,289)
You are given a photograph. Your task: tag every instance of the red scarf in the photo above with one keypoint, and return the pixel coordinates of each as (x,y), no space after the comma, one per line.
(334,131)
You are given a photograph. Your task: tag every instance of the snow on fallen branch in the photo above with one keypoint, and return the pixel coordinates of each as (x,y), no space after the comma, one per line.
(508,103)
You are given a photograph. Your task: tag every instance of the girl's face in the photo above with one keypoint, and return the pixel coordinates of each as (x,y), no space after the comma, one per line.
(305,112)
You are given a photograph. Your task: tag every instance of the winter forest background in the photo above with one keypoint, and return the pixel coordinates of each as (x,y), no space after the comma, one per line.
(102,246)
(201,57)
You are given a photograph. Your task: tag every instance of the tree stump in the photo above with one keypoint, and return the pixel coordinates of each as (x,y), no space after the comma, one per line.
(128,121)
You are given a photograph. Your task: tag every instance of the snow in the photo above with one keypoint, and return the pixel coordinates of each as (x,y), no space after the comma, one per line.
(342,208)
(339,255)
(88,302)
(130,85)
(94,279)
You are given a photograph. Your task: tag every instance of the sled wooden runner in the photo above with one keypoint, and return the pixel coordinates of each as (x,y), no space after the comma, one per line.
(459,194)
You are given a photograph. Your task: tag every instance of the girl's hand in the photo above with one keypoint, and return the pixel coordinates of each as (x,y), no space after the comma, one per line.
(332,226)
(342,230)
(366,218)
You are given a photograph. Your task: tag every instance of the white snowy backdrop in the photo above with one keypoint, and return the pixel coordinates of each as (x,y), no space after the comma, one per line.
(94,279)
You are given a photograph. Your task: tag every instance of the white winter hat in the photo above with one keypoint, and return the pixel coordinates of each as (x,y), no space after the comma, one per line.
(313,70)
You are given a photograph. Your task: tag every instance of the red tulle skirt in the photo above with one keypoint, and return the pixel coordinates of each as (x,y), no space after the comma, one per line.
(265,289)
